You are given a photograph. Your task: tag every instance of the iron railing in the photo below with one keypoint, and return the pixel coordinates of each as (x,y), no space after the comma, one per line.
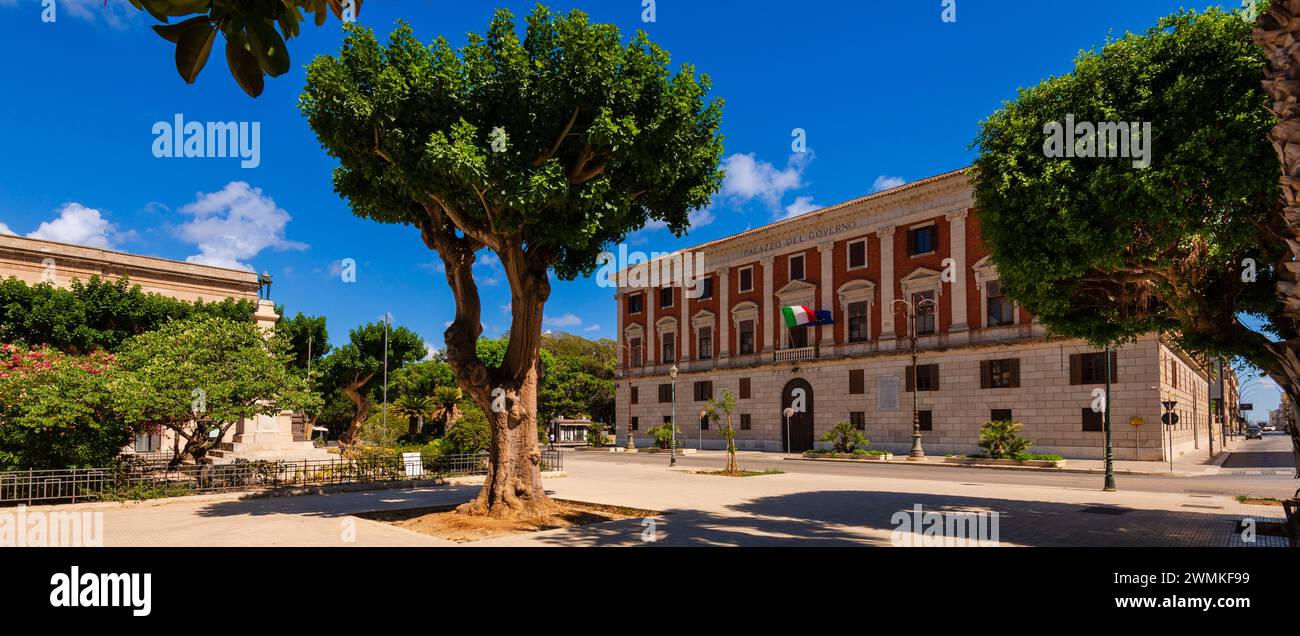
(150,480)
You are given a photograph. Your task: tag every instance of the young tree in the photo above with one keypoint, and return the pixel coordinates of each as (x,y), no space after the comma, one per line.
(1100,249)
(352,366)
(543,150)
(721,409)
(200,377)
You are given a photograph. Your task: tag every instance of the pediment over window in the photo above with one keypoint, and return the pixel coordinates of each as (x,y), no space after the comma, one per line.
(633,330)
(747,310)
(666,324)
(703,318)
(796,288)
(856,291)
(985,270)
(921,279)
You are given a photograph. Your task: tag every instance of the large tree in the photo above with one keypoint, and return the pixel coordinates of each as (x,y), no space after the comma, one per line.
(1104,250)
(200,377)
(544,150)
(351,367)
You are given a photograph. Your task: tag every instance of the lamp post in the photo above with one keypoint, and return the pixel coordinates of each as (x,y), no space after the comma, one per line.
(912,310)
(1109,485)
(703,414)
(387,319)
(672,424)
(787,413)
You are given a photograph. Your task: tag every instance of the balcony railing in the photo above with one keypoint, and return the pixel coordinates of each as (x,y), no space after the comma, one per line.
(801,353)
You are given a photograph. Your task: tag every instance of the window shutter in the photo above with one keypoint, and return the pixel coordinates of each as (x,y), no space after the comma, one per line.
(1015,372)
(911,381)
(1076,368)
(857,382)
(744,388)
(986,374)
(1114,367)
(934,377)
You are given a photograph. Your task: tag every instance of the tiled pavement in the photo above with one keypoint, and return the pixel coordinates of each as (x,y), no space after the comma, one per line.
(794,509)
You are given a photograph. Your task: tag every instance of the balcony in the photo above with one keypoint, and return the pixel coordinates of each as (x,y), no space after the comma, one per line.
(790,355)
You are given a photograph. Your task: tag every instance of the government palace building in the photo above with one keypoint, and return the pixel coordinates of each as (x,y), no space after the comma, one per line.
(980,356)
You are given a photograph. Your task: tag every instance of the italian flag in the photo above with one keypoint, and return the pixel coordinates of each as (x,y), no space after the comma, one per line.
(797,315)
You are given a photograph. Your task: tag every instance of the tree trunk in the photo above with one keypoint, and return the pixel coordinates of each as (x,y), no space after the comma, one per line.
(1278,31)
(360,413)
(507,394)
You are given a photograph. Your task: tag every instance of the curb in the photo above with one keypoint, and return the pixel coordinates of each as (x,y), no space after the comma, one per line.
(1081,471)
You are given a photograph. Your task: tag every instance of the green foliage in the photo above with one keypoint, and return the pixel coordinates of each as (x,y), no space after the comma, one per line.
(1102,250)
(255,33)
(663,435)
(596,434)
(469,434)
(307,338)
(96,314)
(1001,440)
(845,438)
(356,363)
(587,124)
(57,411)
(220,370)
(375,431)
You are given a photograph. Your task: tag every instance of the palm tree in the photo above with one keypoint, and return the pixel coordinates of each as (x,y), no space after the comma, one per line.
(446,411)
(415,408)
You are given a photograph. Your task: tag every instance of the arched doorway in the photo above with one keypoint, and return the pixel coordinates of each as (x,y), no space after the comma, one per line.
(798,393)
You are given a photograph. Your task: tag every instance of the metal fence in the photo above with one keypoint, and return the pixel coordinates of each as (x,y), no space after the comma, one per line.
(136,480)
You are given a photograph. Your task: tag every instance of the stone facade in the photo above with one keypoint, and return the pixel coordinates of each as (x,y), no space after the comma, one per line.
(858,258)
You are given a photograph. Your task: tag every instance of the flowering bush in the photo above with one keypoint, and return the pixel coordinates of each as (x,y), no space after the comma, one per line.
(56,410)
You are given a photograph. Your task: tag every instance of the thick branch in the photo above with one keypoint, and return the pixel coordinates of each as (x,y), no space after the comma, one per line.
(555,147)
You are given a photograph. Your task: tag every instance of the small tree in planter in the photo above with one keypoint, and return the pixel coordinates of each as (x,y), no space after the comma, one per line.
(663,434)
(716,411)
(845,438)
(1001,440)
(596,434)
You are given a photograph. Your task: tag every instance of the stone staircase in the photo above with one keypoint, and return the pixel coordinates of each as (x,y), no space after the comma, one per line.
(254,451)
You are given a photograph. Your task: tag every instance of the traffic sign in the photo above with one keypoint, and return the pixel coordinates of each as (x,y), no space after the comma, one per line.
(1136,421)
(1170,419)
(1246,407)
(1169,404)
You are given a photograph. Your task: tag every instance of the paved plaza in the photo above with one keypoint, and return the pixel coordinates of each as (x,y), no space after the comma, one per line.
(850,506)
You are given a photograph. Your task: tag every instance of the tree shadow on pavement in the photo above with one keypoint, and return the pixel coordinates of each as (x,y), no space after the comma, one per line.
(340,504)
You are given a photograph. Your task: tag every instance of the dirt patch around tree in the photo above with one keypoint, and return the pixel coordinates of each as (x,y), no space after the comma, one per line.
(444,523)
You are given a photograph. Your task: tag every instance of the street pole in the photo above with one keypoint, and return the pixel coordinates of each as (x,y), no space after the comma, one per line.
(913,310)
(1110,452)
(787,413)
(701,425)
(385,416)
(672,426)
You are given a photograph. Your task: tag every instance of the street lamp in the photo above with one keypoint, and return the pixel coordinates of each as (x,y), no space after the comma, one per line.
(787,413)
(703,413)
(912,309)
(1109,485)
(672,425)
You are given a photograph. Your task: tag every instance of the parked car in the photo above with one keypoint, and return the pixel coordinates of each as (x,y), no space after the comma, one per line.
(1269,428)
(1254,432)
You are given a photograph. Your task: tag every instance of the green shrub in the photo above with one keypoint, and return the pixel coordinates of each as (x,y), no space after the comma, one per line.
(596,434)
(845,438)
(663,435)
(1001,439)
(472,433)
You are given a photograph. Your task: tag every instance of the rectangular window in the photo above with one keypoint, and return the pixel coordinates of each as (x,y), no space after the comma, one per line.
(745,424)
(634,302)
(668,419)
(669,350)
(636,352)
(796,267)
(744,388)
(927,378)
(857,254)
(148,442)
(927,420)
(857,382)
(925,313)
(666,297)
(703,390)
(922,240)
(746,276)
(1093,421)
(1000,374)
(636,423)
(799,337)
(858,325)
(1090,368)
(704,346)
(746,336)
(665,393)
(859,420)
(999,306)
(706,287)
(1000,415)
(636,394)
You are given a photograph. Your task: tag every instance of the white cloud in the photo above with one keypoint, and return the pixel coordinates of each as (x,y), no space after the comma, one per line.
(114,13)
(234,225)
(4,229)
(430,351)
(749,178)
(79,225)
(885,182)
(801,205)
(565,321)
(592,328)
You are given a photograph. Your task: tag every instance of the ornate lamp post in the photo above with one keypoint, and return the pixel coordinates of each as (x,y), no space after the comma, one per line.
(912,310)
(672,424)
(788,412)
(703,414)
(1109,484)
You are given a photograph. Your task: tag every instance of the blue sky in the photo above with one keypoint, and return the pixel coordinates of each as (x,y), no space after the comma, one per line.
(887,92)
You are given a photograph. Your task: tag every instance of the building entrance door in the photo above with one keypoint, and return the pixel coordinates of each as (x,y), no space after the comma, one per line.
(797,394)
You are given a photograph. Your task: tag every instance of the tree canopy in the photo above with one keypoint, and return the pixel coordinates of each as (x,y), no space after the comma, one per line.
(1099,249)
(351,367)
